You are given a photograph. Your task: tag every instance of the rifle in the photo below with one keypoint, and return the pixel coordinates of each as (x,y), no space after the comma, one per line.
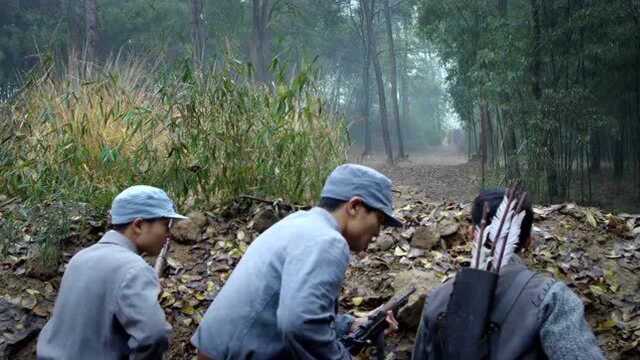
(372,331)
(161,261)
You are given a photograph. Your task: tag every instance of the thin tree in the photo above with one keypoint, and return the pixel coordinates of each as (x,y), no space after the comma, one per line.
(404,81)
(262,12)
(74,27)
(369,7)
(91,31)
(198,32)
(366,65)
(394,79)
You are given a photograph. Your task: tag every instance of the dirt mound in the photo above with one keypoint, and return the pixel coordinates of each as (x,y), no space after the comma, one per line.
(597,254)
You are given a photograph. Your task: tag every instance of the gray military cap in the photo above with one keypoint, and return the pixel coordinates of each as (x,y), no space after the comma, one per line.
(350,180)
(142,201)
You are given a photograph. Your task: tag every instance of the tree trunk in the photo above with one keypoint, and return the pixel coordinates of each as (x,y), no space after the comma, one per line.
(637,115)
(491,151)
(596,154)
(198,33)
(536,89)
(91,22)
(394,79)
(483,138)
(619,150)
(335,97)
(366,64)
(369,8)
(261,39)
(404,82)
(74,47)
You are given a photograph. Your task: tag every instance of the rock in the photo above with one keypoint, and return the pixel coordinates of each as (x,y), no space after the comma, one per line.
(264,219)
(425,237)
(572,210)
(424,282)
(37,268)
(18,326)
(408,234)
(448,227)
(189,231)
(199,219)
(385,242)
(415,252)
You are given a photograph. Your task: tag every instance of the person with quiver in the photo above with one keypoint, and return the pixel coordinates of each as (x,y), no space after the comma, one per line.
(498,309)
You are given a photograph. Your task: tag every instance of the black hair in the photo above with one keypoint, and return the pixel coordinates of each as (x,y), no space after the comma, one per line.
(122,227)
(331,204)
(494,197)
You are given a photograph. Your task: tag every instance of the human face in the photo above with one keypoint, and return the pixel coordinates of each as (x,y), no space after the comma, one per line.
(363,224)
(152,235)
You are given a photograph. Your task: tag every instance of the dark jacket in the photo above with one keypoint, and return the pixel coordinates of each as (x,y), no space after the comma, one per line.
(546,320)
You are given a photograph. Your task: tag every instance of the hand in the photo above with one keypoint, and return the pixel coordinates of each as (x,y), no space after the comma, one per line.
(390,319)
(393,323)
(357,322)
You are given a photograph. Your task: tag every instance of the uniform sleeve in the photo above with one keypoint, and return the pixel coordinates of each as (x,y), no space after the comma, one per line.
(420,347)
(140,315)
(565,333)
(343,324)
(312,276)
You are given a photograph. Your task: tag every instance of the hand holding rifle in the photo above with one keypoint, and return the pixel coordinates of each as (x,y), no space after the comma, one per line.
(370,331)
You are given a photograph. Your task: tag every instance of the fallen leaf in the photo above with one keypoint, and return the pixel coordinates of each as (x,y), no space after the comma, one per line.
(591,219)
(399,252)
(606,325)
(189,310)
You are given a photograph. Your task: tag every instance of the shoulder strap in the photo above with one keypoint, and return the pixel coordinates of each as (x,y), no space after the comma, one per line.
(514,290)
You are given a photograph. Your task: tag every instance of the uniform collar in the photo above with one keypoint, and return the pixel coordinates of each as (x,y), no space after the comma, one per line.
(326,216)
(116,238)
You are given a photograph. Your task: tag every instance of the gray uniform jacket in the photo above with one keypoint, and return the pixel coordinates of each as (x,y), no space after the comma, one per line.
(107,307)
(279,302)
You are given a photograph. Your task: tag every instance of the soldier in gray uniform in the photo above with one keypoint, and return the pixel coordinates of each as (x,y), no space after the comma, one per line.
(534,316)
(107,305)
(280,301)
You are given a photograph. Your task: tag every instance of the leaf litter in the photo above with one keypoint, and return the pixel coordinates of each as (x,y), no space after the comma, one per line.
(597,254)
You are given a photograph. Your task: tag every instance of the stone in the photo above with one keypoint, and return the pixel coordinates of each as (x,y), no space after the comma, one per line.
(424,281)
(189,231)
(18,326)
(572,210)
(415,252)
(448,227)
(264,219)
(199,219)
(385,242)
(37,268)
(425,237)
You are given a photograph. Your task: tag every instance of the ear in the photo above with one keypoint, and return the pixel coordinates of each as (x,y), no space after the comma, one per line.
(352,205)
(137,225)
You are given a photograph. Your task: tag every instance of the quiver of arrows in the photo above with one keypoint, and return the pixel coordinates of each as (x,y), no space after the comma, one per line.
(464,334)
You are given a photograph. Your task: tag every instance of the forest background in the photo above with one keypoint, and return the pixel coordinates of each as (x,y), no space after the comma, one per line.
(546,91)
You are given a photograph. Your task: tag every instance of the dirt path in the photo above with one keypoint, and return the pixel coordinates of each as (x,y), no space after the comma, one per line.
(441,174)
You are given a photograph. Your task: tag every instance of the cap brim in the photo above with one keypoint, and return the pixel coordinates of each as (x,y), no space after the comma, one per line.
(392,221)
(177,216)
